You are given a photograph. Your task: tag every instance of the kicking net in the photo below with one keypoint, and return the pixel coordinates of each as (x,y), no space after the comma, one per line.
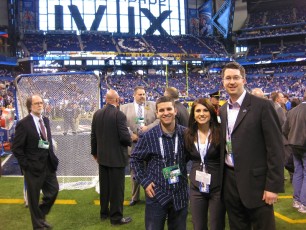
(70,102)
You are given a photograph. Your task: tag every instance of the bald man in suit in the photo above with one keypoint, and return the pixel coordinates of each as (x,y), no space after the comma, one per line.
(141,116)
(109,141)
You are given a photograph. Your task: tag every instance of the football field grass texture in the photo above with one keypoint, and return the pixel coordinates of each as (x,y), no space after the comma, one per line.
(79,209)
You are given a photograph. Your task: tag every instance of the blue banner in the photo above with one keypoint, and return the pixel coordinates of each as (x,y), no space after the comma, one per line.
(193,24)
(28,15)
(205,15)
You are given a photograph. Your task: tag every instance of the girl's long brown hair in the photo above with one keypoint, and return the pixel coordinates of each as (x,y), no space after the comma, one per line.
(191,133)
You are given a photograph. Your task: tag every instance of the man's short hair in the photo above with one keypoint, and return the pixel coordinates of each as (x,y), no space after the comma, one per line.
(139,87)
(274,95)
(164,99)
(233,65)
(172,92)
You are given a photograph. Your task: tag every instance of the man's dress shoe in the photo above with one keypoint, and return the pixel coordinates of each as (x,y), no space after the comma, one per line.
(133,202)
(124,220)
(47,225)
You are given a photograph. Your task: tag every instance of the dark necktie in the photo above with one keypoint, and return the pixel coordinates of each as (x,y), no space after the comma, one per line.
(42,129)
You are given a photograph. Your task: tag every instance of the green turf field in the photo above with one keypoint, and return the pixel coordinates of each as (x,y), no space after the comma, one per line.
(84,214)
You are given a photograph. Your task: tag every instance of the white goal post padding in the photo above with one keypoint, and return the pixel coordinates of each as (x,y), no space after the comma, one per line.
(70,101)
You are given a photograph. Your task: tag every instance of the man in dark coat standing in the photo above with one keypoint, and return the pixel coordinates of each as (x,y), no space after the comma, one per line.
(110,138)
(182,115)
(33,149)
(251,154)
(294,130)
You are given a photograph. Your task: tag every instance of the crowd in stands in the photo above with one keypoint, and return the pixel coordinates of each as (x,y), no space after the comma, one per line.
(98,42)
(274,23)
(275,51)
(274,17)
(62,42)
(288,79)
(273,32)
(39,43)
(192,44)
(162,44)
(34,43)
(7,90)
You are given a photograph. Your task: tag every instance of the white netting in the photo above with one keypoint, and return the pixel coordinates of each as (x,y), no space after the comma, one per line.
(70,101)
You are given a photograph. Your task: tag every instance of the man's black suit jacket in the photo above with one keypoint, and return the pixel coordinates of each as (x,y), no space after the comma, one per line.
(25,147)
(182,116)
(257,148)
(110,137)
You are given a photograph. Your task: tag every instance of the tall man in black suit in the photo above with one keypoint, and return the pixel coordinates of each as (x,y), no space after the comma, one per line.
(109,141)
(294,130)
(34,151)
(251,154)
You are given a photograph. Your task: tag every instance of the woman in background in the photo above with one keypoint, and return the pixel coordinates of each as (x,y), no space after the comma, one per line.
(202,139)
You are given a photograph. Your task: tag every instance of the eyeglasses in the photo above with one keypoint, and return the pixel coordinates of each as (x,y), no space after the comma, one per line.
(38,103)
(235,78)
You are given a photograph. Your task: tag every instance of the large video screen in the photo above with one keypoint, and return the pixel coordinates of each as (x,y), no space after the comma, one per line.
(156,16)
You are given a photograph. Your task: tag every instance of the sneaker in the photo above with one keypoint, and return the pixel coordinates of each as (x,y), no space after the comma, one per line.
(302,209)
(296,204)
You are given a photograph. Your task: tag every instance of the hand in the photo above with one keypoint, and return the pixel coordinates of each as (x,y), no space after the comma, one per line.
(144,129)
(269,197)
(150,190)
(134,137)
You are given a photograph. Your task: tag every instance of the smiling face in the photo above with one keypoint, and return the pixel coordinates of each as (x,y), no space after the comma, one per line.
(166,113)
(201,114)
(233,83)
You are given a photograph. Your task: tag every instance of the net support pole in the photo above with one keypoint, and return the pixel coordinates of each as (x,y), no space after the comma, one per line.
(187,84)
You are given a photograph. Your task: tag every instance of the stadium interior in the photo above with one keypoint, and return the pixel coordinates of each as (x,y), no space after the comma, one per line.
(73,51)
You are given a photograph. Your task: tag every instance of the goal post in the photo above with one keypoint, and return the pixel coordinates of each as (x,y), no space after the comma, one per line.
(70,101)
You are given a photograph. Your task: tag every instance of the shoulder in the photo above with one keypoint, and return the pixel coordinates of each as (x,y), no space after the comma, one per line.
(124,106)
(120,114)
(297,109)
(153,132)
(150,103)
(223,107)
(46,119)
(26,119)
(181,129)
(25,122)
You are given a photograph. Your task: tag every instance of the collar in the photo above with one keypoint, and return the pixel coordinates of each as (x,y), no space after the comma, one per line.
(161,133)
(277,104)
(136,104)
(36,118)
(240,99)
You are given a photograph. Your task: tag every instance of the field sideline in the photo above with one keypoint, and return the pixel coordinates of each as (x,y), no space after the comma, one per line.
(80,209)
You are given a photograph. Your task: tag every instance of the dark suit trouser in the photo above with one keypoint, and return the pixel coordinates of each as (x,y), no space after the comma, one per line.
(240,217)
(201,204)
(47,182)
(111,192)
